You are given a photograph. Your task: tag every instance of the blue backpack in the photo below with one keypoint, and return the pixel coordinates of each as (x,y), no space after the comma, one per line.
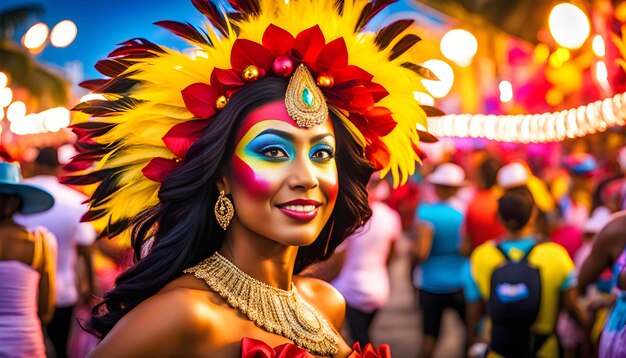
(514,302)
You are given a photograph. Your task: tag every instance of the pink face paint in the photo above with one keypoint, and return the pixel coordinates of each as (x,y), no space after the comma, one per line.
(273,110)
(245,176)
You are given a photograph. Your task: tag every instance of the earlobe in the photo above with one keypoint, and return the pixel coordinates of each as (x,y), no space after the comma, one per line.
(223,184)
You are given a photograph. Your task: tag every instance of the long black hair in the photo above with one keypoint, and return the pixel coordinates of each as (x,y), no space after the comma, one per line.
(183,227)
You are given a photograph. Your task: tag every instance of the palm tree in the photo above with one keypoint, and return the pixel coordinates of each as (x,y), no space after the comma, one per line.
(42,83)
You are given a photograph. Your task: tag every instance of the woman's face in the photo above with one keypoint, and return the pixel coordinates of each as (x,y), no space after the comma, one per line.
(283,178)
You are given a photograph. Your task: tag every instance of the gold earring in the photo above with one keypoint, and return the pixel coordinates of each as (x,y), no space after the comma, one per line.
(224,210)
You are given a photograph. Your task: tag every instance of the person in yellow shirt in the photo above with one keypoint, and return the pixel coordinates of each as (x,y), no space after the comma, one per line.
(522,284)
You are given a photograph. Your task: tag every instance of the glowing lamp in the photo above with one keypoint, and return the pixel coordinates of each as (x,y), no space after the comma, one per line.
(36,36)
(63,33)
(597,44)
(569,25)
(6,96)
(16,111)
(459,46)
(506,91)
(444,72)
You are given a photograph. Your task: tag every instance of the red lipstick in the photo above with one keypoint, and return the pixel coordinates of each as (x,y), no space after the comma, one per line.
(300,209)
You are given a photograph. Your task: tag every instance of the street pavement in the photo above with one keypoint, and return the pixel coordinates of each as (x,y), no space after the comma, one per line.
(399,322)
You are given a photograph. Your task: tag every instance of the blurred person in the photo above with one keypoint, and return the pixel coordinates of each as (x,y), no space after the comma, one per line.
(576,204)
(481,222)
(572,337)
(73,240)
(608,251)
(621,161)
(517,175)
(438,263)
(27,268)
(364,277)
(521,283)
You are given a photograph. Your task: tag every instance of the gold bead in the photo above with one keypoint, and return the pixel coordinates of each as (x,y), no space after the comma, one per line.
(325,80)
(250,73)
(221,102)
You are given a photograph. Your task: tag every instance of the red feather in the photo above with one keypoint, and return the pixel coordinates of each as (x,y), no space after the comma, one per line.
(186,31)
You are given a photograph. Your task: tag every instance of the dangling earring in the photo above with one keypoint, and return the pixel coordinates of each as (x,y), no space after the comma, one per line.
(224,210)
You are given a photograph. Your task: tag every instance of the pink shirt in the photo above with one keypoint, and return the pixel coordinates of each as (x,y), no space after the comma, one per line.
(364,278)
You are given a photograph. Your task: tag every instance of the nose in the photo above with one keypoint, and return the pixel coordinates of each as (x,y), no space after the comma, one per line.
(303,174)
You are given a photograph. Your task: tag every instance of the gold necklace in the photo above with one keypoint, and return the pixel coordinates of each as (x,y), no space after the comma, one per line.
(277,311)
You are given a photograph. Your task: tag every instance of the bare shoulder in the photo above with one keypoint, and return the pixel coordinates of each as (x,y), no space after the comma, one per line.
(611,239)
(324,297)
(172,321)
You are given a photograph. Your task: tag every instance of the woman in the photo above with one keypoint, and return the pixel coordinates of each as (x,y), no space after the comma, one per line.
(26,268)
(242,166)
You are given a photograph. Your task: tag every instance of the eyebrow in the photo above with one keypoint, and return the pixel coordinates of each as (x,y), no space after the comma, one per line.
(290,136)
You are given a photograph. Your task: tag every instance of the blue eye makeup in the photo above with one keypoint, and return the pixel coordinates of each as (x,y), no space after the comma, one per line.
(322,152)
(270,147)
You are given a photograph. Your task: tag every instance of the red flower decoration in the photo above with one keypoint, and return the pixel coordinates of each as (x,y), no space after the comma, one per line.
(383,351)
(279,41)
(252,348)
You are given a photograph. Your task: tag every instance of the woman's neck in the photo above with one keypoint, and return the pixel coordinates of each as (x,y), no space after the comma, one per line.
(261,258)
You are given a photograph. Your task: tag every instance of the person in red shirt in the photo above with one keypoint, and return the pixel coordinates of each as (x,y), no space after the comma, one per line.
(481,222)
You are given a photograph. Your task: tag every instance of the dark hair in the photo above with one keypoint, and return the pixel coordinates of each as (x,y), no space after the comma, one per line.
(47,157)
(184,215)
(488,170)
(515,208)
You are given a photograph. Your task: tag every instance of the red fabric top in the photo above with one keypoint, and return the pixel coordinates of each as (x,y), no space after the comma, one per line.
(481,218)
(252,348)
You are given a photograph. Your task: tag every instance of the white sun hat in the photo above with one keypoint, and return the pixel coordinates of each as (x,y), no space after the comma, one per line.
(512,175)
(447,174)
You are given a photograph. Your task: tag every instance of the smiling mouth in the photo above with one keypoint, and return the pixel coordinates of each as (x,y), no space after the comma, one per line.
(299,208)
(303,212)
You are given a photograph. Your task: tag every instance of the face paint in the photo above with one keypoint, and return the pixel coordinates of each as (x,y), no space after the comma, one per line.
(284,175)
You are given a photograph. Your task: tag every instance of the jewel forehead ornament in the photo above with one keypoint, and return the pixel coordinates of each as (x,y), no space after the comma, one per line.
(304,100)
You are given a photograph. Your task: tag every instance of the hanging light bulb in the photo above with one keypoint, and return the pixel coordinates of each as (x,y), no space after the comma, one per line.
(459,46)
(569,25)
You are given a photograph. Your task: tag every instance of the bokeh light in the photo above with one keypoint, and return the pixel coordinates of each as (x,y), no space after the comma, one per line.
(506,91)
(16,111)
(598,46)
(63,33)
(4,80)
(459,46)
(36,36)
(6,96)
(569,25)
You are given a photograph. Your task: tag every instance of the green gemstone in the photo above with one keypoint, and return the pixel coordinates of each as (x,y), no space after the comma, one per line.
(307,97)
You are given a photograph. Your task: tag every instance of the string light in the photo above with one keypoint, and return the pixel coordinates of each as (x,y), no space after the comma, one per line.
(546,127)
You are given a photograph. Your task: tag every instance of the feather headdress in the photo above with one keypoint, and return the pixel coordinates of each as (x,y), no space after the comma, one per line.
(158,101)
